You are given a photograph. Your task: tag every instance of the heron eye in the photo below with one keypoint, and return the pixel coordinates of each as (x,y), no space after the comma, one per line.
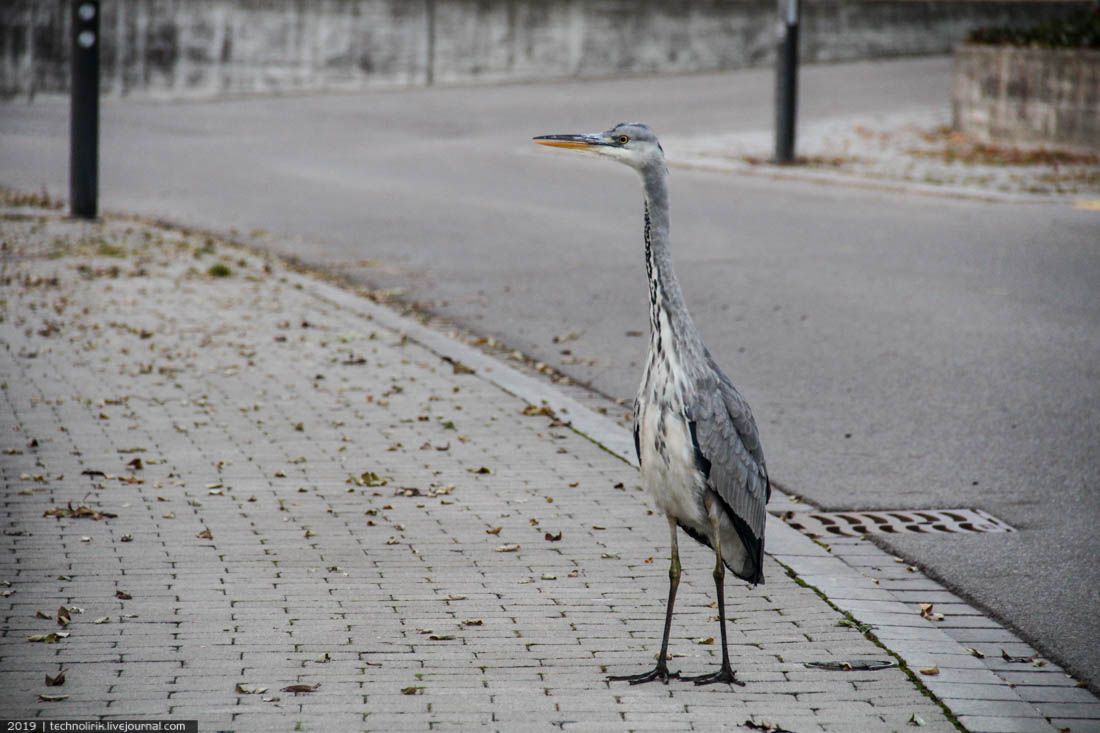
(623,139)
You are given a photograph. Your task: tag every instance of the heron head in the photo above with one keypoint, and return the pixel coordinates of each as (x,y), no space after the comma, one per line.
(632,143)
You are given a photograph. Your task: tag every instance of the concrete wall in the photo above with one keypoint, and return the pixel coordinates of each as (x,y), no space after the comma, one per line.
(177,48)
(1028,95)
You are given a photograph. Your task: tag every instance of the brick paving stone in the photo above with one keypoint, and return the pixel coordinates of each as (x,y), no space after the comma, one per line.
(310,508)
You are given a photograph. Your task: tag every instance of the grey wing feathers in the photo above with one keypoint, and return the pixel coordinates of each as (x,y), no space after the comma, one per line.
(728,440)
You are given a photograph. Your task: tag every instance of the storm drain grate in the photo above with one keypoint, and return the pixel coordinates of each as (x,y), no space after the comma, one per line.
(908,521)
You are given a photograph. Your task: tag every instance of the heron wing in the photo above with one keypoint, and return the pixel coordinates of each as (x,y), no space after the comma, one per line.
(728,450)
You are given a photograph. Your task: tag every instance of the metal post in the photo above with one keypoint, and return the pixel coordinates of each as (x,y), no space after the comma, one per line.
(84,110)
(786,81)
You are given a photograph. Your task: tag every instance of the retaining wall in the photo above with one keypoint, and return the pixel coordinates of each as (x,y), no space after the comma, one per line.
(1028,95)
(210,47)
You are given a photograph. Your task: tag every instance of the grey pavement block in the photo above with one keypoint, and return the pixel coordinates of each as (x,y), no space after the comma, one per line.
(985,724)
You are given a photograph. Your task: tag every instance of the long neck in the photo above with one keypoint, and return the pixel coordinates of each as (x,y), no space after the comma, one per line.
(665,297)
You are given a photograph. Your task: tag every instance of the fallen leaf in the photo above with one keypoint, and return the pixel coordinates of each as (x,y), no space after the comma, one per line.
(483,470)
(57,680)
(916,720)
(122,595)
(52,698)
(473,622)
(459,367)
(507,548)
(243,689)
(302,688)
(707,641)
(126,538)
(102,620)
(927,612)
(441,637)
(456,597)
(412,690)
(63,617)
(930,671)
(975,653)
(552,537)
(51,638)
(206,534)
(494,530)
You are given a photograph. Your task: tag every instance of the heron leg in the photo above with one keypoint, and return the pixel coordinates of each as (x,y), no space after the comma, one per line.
(660,672)
(725,672)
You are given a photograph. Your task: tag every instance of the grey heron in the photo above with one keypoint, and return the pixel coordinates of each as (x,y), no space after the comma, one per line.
(697,442)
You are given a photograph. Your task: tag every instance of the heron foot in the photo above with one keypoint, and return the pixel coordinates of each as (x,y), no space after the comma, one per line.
(660,672)
(725,674)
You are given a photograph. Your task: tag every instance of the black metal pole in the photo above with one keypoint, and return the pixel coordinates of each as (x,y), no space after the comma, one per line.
(786,81)
(84,110)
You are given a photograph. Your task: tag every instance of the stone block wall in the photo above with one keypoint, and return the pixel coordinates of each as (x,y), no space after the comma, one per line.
(182,48)
(1028,95)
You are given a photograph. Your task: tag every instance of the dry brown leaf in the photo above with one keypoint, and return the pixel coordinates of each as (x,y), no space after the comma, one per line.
(552,537)
(930,671)
(302,688)
(507,548)
(56,680)
(494,530)
(206,534)
(122,595)
(52,698)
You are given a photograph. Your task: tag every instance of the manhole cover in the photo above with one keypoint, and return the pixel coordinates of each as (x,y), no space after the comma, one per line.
(909,521)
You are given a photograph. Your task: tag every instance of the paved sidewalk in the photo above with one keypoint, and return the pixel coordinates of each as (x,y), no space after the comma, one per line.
(914,151)
(301,496)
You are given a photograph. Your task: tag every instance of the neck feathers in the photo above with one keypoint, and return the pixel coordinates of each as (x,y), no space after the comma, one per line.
(665,297)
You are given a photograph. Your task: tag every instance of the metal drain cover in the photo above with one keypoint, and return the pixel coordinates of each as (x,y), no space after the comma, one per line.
(907,521)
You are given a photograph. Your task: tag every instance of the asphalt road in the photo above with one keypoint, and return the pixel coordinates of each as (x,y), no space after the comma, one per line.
(899,351)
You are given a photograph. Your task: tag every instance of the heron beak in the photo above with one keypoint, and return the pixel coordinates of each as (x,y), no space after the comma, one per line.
(577,142)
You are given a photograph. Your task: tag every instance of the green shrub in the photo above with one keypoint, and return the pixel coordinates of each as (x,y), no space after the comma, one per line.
(1079,30)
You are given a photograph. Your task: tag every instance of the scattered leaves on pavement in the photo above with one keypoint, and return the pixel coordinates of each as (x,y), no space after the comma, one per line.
(79,512)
